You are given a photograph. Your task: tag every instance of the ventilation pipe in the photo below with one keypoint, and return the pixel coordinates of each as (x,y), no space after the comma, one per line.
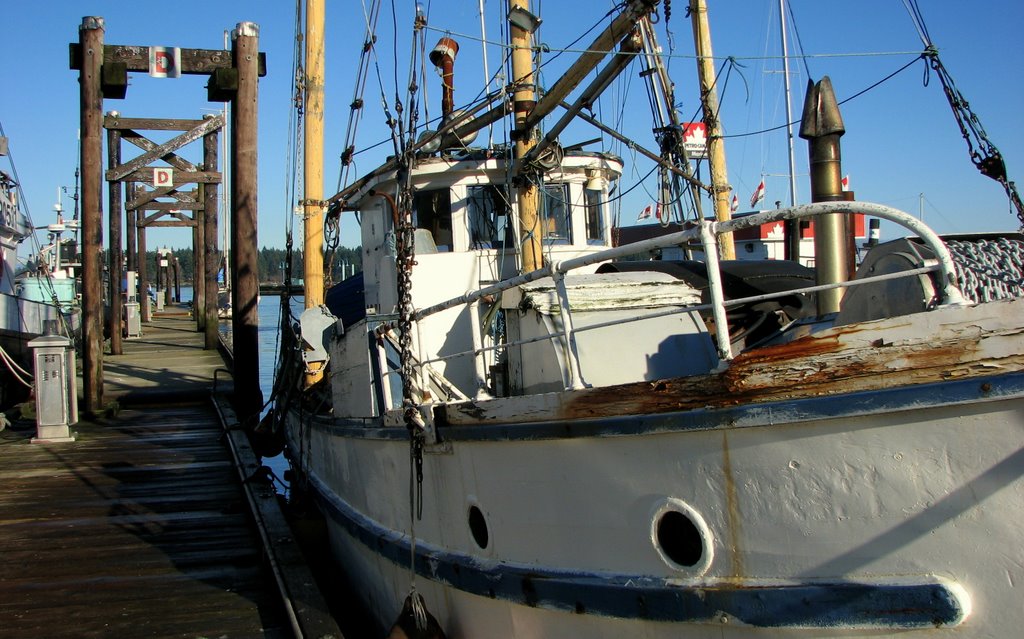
(443,57)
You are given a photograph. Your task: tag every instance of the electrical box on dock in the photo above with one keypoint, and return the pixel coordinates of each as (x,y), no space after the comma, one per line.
(56,398)
(132,320)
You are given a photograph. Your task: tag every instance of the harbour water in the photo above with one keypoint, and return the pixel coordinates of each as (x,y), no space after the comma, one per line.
(269,309)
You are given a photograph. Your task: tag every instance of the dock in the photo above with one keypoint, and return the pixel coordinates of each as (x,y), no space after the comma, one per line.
(155,521)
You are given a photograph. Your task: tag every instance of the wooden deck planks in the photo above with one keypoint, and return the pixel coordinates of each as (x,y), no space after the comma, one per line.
(140,527)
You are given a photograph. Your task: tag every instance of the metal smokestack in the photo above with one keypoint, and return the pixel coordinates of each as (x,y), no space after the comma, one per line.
(443,57)
(822,126)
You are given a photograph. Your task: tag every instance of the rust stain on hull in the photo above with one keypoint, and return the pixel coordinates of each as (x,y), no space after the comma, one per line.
(840,360)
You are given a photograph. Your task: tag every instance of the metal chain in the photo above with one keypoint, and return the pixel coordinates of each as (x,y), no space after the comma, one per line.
(405,259)
(989,269)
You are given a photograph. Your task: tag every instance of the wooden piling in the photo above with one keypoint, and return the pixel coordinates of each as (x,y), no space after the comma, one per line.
(245,288)
(131,250)
(145,307)
(114,253)
(90,35)
(209,246)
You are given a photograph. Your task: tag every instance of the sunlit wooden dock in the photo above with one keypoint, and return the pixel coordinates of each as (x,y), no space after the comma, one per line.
(142,527)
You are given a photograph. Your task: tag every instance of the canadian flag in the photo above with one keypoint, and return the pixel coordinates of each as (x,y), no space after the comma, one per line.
(758,194)
(846,182)
(735,204)
(645,214)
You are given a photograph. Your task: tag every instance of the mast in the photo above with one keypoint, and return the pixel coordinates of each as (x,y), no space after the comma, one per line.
(524,100)
(313,168)
(792,227)
(313,161)
(709,101)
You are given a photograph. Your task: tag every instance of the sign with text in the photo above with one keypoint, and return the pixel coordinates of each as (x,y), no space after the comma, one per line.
(165,62)
(695,140)
(163,176)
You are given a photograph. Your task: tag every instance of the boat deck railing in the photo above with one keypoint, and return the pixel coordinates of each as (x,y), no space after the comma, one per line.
(707,233)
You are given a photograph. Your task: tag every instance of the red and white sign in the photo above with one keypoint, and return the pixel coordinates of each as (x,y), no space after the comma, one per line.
(165,62)
(695,140)
(163,176)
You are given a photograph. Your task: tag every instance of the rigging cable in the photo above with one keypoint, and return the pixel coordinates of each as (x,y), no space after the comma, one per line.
(986,157)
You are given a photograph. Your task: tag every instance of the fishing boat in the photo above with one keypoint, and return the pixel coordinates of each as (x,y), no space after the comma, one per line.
(31,299)
(511,428)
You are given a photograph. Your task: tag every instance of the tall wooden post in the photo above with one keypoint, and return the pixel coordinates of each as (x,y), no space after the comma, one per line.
(709,102)
(145,304)
(90,38)
(130,248)
(114,254)
(524,100)
(245,289)
(176,265)
(198,266)
(313,166)
(211,259)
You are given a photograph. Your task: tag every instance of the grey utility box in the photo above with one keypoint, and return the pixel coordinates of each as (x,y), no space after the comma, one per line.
(132,320)
(56,398)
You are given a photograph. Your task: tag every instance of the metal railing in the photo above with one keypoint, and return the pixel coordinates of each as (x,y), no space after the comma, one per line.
(707,232)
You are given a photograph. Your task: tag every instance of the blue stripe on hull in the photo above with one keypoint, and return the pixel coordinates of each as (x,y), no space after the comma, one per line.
(902,605)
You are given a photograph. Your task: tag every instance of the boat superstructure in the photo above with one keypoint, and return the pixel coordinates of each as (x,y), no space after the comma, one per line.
(42,294)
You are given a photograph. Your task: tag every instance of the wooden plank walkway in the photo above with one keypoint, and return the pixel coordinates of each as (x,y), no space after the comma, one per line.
(141,527)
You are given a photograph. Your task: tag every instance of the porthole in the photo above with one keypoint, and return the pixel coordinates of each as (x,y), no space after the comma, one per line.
(681,537)
(478,527)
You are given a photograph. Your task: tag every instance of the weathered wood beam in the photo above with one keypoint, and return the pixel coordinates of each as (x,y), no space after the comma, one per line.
(179,178)
(161,150)
(167,224)
(136,58)
(173,159)
(149,124)
(143,198)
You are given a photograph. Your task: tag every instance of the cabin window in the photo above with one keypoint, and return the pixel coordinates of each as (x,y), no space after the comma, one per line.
(489,224)
(556,214)
(595,220)
(432,210)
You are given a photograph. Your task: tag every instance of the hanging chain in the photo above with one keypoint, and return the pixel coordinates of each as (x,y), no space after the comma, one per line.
(985,156)
(405,259)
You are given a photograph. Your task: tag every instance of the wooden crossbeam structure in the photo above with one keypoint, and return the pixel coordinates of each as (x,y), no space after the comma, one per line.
(134,193)
(186,210)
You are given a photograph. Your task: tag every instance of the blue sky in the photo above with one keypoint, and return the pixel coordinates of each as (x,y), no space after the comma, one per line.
(901,138)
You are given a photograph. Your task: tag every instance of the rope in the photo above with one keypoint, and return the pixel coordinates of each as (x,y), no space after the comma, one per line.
(16,371)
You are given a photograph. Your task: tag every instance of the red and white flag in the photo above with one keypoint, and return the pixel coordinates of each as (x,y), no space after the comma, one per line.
(645,214)
(657,211)
(846,182)
(758,194)
(735,204)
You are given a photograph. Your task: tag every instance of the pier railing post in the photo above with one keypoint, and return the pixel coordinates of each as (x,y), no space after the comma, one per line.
(90,35)
(245,289)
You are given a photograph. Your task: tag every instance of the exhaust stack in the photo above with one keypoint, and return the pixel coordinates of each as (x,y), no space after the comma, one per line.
(822,126)
(443,57)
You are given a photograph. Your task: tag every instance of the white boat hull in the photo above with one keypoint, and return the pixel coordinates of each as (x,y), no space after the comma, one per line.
(919,503)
